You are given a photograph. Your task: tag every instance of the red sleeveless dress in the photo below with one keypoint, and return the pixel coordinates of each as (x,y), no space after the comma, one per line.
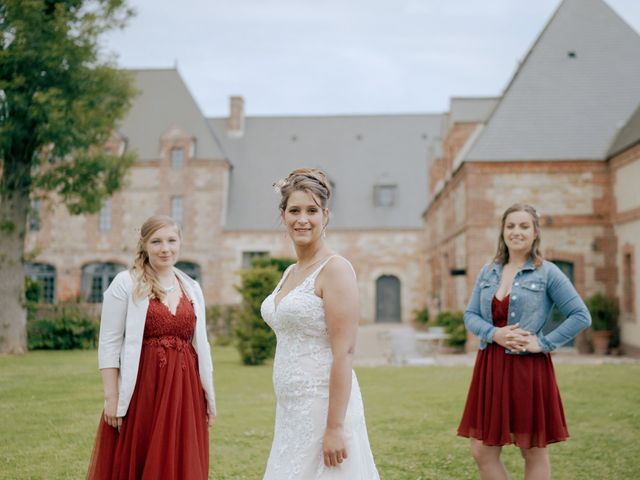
(513,398)
(164,434)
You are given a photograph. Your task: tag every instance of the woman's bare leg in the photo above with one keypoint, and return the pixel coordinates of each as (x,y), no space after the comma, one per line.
(537,465)
(488,461)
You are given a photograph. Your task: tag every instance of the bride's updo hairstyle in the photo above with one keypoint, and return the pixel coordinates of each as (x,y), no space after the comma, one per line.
(310,180)
(147,283)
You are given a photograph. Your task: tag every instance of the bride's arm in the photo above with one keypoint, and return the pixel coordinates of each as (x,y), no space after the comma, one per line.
(339,291)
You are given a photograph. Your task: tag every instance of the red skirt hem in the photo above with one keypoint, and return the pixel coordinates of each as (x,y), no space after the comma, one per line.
(514,441)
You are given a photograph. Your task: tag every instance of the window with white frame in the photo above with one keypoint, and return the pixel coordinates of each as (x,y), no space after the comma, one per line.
(96,277)
(190,268)
(247,257)
(45,275)
(34,216)
(177,209)
(104,217)
(384,195)
(177,158)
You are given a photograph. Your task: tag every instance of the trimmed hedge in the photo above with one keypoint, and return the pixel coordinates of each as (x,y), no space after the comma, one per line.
(66,326)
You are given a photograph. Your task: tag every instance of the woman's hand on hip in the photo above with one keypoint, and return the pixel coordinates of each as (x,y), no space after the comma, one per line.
(110,409)
(533,346)
(334,447)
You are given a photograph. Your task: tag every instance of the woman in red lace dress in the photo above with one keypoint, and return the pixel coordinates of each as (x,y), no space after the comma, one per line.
(156,368)
(514,397)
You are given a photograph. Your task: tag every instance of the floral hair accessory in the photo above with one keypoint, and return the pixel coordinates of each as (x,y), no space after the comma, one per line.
(279,185)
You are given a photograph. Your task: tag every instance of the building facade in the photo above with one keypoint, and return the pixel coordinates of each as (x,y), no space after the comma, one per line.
(417,198)
(549,144)
(215,177)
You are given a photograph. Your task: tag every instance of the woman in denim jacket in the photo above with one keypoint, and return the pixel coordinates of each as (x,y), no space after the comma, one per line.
(514,397)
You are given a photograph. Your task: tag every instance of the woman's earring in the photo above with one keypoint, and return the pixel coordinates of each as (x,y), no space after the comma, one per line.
(324,231)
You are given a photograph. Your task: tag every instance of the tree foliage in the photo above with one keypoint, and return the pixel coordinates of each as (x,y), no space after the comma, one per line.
(60,100)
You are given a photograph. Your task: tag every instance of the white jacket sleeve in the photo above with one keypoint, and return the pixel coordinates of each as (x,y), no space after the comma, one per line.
(112,321)
(204,355)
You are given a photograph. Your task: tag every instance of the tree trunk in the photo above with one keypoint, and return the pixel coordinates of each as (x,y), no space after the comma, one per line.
(13,316)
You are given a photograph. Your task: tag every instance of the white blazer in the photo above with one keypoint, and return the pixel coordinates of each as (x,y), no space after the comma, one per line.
(122,328)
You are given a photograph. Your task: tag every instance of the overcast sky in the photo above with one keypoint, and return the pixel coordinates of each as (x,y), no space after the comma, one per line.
(288,57)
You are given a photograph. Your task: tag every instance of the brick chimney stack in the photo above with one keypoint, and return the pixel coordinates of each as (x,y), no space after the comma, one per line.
(235,122)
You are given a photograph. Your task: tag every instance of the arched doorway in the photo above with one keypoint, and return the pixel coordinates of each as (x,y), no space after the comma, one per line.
(388,299)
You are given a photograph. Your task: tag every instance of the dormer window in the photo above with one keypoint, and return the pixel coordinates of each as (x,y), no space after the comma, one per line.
(384,195)
(177,158)
(177,209)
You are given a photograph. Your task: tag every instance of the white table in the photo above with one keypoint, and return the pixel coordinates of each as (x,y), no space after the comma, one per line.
(431,342)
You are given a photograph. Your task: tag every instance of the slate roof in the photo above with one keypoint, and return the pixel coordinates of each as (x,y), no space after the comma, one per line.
(577,84)
(163,102)
(628,136)
(357,152)
(471,109)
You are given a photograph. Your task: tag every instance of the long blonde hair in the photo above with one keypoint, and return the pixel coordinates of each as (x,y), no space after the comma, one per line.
(502,253)
(147,283)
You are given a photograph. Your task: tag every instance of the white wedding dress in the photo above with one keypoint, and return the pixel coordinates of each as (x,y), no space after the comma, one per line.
(301,381)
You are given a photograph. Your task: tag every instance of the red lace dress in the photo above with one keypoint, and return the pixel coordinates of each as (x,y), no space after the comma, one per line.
(164,434)
(513,398)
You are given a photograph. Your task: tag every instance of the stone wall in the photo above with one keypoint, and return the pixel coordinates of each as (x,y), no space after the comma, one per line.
(69,242)
(372,252)
(626,218)
(574,200)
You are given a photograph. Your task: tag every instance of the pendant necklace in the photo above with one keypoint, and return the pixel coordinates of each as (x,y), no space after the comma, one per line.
(171,288)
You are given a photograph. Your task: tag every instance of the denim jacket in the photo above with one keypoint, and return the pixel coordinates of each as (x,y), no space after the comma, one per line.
(533,293)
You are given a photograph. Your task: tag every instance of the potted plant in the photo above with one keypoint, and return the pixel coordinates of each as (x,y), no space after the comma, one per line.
(604,317)
(421,318)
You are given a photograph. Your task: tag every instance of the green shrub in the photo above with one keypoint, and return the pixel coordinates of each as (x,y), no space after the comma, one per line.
(453,323)
(421,317)
(255,340)
(65,326)
(604,312)
(33,295)
(279,263)
(220,323)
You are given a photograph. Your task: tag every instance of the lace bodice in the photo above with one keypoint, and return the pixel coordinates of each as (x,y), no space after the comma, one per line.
(161,322)
(303,354)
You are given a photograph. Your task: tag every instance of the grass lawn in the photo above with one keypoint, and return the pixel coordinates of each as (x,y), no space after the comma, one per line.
(50,403)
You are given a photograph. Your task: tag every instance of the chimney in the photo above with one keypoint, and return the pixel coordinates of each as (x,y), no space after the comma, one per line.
(235,122)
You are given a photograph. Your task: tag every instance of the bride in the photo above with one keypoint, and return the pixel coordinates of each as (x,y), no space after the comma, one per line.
(320,430)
